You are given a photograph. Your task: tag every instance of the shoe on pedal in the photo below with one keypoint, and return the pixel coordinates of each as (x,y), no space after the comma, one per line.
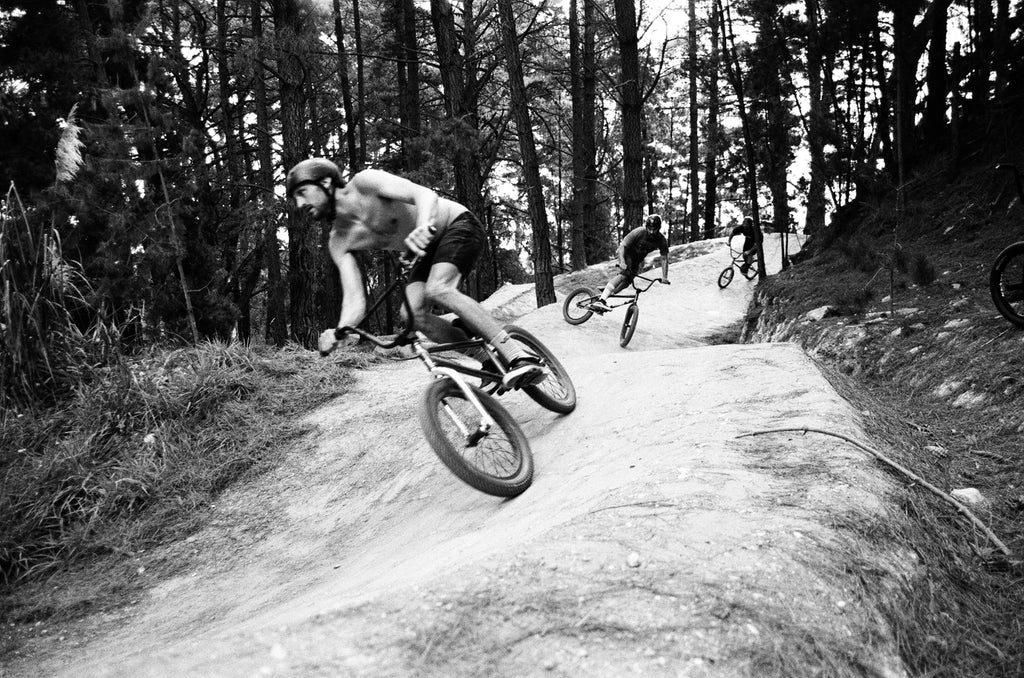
(523,372)
(600,305)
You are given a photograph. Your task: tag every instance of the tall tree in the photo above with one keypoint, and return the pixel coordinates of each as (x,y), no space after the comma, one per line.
(543,280)
(632,115)
(815,217)
(712,132)
(694,154)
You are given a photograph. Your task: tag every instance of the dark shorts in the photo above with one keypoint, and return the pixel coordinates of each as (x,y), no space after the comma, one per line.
(632,267)
(460,244)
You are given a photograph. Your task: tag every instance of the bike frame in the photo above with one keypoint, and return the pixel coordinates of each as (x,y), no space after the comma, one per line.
(436,365)
(631,298)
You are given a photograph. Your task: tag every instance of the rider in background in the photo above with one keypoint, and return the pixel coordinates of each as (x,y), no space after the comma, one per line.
(637,244)
(378,210)
(749,233)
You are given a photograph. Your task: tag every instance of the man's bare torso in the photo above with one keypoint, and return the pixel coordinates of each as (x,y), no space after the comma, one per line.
(365,220)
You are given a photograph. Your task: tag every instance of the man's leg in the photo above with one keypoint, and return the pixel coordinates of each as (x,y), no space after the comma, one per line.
(442,289)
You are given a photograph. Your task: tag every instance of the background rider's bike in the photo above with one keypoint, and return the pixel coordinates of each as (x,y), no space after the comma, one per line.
(468,429)
(727,274)
(1006,280)
(578,306)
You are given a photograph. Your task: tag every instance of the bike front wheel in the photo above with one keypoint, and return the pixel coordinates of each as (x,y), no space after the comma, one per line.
(556,392)
(498,461)
(1006,283)
(725,277)
(576,307)
(629,324)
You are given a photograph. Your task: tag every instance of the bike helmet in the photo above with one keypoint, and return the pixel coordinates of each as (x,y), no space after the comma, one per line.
(311,171)
(653,220)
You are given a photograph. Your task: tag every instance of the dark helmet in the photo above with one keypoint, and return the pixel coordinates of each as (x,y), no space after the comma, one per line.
(311,171)
(653,220)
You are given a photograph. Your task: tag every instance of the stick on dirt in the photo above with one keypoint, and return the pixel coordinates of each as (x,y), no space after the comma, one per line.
(966,512)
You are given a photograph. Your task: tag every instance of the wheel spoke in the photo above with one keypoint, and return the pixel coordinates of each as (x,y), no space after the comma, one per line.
(494,454)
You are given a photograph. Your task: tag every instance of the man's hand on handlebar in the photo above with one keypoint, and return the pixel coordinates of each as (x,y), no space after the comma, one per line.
(418,240)
(330,339)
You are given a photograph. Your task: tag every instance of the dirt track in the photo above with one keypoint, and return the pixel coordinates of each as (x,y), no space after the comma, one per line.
(653,541)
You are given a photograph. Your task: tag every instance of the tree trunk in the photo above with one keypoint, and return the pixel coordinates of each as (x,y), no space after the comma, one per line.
(579,256)
(735,71)
(357,31)
(408,82)
(277,326)
(694,159)
(712,133)
(346,89)
(594,236)
(632,116)
(815,218)
(543,281)
(982,54)
(305,282)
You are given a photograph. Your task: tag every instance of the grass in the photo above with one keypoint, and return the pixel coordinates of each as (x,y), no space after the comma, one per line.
(139,453)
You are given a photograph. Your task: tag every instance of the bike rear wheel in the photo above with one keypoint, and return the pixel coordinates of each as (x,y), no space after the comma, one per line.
(725,277)
(629,324)
(498,463)
(751,271)
(576,307)
(557,392)
(1006,283)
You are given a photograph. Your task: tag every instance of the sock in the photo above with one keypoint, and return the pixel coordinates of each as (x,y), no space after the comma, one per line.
(508,349)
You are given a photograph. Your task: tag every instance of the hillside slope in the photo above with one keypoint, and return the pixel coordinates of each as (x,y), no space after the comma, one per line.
(653,540)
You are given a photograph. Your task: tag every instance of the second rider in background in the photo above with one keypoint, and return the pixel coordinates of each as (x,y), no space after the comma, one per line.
(637,244)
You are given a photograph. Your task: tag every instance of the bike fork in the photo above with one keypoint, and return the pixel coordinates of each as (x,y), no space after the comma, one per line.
(486,422)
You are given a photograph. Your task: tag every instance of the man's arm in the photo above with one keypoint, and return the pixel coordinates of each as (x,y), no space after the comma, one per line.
(664,259)
(353,300)
(393,187)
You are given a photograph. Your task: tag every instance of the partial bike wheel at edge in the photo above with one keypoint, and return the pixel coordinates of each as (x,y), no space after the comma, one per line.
(629,324)
(499,463)
(725,277)
(557,392)
(575,308)
(1006,283)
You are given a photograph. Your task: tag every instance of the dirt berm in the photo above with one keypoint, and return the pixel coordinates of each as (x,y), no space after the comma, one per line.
(654,541)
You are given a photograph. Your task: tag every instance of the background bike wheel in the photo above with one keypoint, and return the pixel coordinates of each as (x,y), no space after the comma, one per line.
(557,392)
(500,463)
(572,308)
(629,324)
(725,277)
(751,272)
(1006,283)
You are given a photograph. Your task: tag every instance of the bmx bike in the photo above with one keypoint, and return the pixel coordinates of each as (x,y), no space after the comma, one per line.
(1006,279)
(729,272)
(465,425)
(579,306)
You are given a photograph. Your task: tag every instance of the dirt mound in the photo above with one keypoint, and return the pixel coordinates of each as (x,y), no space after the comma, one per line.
(653,540)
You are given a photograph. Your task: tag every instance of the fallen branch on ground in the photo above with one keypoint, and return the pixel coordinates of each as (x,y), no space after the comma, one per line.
(966,512)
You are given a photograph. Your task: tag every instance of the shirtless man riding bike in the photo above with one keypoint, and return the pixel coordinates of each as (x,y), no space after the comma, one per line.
(379,210)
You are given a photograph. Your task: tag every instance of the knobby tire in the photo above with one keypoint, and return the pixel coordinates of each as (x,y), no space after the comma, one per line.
(500,464)
(629,324)
(725,277)
(573,309)
(1006,283)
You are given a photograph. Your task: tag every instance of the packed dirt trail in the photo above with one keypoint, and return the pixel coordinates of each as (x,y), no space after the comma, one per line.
(653,541)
